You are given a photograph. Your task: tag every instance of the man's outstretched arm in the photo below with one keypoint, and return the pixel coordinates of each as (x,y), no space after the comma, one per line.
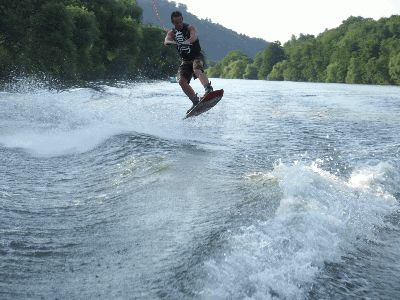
(169,39)
(193,35)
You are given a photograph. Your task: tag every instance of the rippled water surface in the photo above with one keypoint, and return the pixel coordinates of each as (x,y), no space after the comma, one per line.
(283,190)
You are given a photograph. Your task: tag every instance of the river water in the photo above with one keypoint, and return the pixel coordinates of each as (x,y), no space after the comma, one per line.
(283,190)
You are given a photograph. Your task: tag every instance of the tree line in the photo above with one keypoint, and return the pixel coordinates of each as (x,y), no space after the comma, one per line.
(215,39)
(81,40)
(360,50)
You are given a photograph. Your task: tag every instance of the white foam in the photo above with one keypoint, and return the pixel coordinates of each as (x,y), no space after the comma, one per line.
(49,123)
(58,142)
(372,177)
(320,217)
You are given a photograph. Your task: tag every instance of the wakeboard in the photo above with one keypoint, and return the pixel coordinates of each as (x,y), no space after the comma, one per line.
(206,103)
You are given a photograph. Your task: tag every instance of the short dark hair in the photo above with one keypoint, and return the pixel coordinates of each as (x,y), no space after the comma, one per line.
(175,14)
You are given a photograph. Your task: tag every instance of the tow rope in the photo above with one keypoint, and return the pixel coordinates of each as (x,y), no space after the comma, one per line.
(155,8)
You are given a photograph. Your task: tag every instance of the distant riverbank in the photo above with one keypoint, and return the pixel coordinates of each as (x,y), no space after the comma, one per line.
(358,51)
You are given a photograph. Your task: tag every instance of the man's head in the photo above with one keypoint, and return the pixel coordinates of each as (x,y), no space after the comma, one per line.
(177,19)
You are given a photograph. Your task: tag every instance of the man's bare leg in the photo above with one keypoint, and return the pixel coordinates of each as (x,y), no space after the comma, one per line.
(186,88)
(203,79)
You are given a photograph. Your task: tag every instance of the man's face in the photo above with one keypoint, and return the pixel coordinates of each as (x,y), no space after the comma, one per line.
(178,22)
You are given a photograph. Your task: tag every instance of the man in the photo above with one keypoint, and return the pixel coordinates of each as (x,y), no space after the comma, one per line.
(185,37)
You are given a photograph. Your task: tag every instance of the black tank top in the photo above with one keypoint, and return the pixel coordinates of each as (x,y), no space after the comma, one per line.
(186,52)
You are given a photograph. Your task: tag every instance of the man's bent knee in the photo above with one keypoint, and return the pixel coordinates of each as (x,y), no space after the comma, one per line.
(198,64)
(197,72)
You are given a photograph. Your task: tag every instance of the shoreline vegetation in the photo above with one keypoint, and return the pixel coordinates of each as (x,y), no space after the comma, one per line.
(75,42)
(360,50)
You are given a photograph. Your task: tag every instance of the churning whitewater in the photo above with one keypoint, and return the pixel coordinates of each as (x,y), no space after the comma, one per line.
(282,191)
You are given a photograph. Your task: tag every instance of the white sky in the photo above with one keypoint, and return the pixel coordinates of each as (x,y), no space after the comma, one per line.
(274,20)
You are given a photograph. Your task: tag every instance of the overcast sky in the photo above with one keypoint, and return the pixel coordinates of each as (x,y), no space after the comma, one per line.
(278,19)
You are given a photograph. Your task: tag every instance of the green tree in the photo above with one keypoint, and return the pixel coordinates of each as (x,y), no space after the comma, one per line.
(389,48)
(231,66)
(120,36)
(6,62)
(85,35)
(354,73)
(15,34)
(52,48)
(236,69)
(277,72)
(335,72)
(394,68)
(273,54)
(215,71)
(156,60)
(300,54)
(250,72)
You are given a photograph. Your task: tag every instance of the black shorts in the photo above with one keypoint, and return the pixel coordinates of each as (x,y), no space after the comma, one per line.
(187,67)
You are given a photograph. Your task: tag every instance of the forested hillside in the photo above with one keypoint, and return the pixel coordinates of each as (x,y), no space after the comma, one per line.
(81,40)
(216,40)
(360,50)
